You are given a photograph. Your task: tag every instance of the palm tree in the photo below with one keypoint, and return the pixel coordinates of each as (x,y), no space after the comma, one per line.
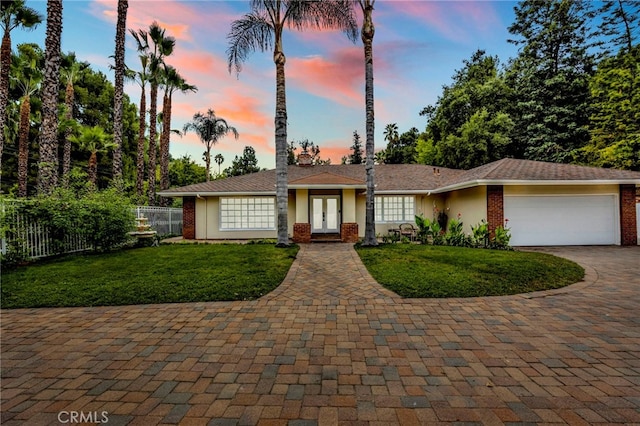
(94,140)
(172,82)
(121,31)
(209,129)
(257,31)
(141,77)
(391,132)
(219,159)
(13,14)
(160,47)
(48,164)
(27,76)
(69,75)
(368,31)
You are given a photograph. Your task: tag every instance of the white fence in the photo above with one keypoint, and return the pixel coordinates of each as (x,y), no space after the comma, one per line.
(37,242)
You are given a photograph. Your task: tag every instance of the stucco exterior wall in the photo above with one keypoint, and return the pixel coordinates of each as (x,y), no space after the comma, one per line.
(470,203)
(301,206)
(208,223)
(349,213)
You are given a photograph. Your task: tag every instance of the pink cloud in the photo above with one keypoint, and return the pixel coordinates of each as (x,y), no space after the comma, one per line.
(338,77)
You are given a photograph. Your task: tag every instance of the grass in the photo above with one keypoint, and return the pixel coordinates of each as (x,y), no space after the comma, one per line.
(165,274)
(428,271)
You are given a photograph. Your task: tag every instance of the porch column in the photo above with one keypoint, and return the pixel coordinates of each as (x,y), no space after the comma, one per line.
(628,219)
(189,218)
(495,207)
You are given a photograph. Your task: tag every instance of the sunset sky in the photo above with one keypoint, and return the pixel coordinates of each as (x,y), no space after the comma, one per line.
(418,45)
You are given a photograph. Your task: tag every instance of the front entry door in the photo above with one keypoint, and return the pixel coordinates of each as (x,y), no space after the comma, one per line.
(325,214)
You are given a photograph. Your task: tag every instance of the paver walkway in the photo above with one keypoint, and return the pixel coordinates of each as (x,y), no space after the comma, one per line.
(331,346)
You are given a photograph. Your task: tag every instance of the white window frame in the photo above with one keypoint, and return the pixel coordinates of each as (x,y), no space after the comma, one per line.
(395,208)
(247,214)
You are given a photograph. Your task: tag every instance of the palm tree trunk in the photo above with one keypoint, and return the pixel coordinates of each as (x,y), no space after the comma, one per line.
(69,96)
(5,64)
(152,144)
(164,145)
(121,28)
(207,162)
(282,197)
(23,146)
(48,164)
(141,131)
(93,169)
(368,31)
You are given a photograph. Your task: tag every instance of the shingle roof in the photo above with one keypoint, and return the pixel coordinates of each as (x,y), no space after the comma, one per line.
(411,177)
(511,169)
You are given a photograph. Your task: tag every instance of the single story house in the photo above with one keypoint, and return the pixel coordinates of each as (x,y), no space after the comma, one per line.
(542,203)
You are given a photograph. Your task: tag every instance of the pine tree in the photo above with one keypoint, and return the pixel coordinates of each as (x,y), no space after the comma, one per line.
(356,150)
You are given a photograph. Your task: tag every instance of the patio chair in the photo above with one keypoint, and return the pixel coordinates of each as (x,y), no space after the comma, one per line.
(408,230)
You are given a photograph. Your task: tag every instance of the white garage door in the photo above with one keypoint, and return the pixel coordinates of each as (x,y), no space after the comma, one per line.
(562,220)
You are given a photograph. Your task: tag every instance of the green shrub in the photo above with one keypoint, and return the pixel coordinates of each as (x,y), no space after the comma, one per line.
(107,217)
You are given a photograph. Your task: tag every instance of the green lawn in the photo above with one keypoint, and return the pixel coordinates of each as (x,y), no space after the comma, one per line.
(435,271)
(165,274)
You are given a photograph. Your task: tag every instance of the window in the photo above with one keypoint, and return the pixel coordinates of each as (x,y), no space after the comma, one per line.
(247,213)
(394,209)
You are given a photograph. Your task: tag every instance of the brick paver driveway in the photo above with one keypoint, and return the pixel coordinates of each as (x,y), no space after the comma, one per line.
(331,346)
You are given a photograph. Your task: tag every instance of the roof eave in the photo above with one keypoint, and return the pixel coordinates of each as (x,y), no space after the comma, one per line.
(200,194)
(508,182)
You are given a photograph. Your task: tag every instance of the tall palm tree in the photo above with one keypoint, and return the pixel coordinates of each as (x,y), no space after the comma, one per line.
(13,14)
(94,140)
(209,128)
(156,45)
(257,31)
(120,68)
(26,76)
(219,159)
(172,82)
(48,164)
(368,31)
(69,74)
(141,77)
(391,132)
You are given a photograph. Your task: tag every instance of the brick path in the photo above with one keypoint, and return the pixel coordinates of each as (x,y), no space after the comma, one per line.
(331,346)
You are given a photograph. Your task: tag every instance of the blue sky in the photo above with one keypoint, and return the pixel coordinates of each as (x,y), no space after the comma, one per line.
(418,45)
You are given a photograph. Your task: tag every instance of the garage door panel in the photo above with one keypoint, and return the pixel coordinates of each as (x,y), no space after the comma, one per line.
(562,220)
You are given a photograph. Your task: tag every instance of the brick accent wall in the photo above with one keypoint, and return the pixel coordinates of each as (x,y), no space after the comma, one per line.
(495,207)
(189,218)
(628,219)
(349,232)
(301,232)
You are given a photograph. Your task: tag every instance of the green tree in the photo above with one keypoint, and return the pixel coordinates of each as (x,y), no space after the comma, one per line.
(119,72)
(356,150)
(615,119)
(13,14)
(469,125)
(93,140)
(550,79)
(402,149)
(48,162)
(245,164)
(184,171)
(209,128)
(619,25)
(257,31)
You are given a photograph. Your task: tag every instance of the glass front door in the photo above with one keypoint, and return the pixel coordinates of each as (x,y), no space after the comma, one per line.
(325,214)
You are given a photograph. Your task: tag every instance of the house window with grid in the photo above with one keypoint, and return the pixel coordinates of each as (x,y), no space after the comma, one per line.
(393,208)
(240,213)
